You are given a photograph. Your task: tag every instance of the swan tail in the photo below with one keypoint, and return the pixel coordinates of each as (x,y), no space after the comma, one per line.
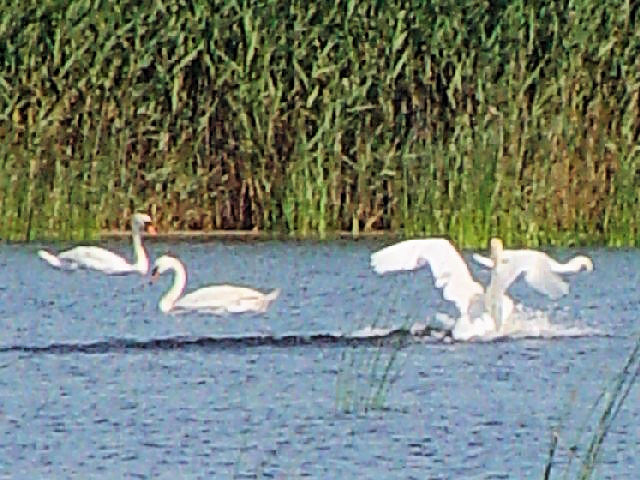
(50,258)
(484,261)
(56,261)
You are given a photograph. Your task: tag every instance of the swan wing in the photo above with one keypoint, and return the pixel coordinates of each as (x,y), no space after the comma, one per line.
(448,268)
(97,258)
(547,282)
(537,271)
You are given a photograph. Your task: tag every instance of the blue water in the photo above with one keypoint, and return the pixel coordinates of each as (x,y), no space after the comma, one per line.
(95,382)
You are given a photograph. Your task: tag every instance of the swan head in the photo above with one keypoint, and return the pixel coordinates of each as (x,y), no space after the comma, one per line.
(583,262)
(142,221)
(164,263)
(496,248)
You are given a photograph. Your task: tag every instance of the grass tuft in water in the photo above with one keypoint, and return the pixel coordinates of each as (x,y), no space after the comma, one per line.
(367,373)
(608,403)
(366,376)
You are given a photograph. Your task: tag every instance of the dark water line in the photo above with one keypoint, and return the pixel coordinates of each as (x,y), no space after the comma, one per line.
(390,338)
(124,345)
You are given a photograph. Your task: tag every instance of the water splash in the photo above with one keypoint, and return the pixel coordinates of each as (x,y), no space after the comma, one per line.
(531,323)
(524,322)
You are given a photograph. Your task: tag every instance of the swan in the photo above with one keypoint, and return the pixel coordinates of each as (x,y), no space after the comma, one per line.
(100,259)
(482,311)
(540,271)
(215,299)
(537,261)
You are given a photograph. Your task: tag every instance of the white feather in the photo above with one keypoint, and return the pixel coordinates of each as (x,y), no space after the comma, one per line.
(449,270)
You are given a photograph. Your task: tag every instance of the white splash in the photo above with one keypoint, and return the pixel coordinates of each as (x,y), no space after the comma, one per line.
(531,323)
(524,322)
(371,331)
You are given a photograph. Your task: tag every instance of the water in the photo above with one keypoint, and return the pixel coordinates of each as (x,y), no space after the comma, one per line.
(95,382)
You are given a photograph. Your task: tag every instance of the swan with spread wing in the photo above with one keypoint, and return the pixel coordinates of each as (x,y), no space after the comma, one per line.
(483,311)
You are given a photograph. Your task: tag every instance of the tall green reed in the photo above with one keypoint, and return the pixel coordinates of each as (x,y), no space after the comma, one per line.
(366,375)
(464,119)
(608,404)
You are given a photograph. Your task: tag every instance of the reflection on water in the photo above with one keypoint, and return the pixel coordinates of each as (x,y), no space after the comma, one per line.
(95,381)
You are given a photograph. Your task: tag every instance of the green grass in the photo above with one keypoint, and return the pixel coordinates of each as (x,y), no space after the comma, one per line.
(365,377)
(367,373)
(517,119)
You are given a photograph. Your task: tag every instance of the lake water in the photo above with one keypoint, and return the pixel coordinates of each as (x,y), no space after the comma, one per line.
(95,382)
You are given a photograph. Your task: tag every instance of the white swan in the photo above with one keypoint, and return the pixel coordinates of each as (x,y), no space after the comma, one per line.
(215,299)
(538,266)
(100,259)
(482,312)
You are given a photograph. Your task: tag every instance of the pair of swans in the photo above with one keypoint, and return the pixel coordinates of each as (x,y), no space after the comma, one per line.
(214,299)
(483,311)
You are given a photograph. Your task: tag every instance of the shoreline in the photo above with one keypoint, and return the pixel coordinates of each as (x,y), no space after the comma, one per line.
(249,235)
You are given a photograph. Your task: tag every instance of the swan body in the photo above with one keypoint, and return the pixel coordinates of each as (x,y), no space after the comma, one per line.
(216,299)
(482,311)
(100,259)
(468,328)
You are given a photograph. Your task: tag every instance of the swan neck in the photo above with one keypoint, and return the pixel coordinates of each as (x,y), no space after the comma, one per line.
(173,294)
(574,265)
(493,293)
(140,255)
(492,299)
(496,251)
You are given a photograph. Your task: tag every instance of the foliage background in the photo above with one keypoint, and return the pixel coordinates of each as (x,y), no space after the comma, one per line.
(463,118)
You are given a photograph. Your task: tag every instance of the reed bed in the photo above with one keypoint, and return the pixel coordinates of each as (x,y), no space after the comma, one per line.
(468,119)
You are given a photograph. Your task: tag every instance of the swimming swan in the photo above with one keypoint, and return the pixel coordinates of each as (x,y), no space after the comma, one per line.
(482,311)
(215,299)
(100,259)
